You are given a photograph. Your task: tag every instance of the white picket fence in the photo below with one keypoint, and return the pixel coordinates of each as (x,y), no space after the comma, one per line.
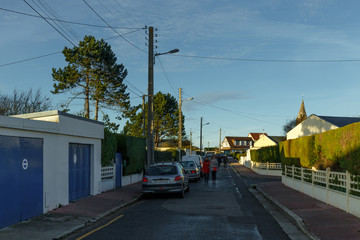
(108,175)
(272,169)
(340,189)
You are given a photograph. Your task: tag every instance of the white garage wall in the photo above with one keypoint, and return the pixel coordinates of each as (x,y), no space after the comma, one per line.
(56,138)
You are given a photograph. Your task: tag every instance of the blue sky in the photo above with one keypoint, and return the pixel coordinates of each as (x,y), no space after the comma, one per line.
(260,57)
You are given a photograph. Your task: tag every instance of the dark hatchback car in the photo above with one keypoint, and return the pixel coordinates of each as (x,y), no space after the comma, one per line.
(165,178)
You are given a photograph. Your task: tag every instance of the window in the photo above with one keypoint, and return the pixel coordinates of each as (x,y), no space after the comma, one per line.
(237,142)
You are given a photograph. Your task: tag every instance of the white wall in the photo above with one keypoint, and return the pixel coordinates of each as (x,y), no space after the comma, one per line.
(56,138)
(311,125)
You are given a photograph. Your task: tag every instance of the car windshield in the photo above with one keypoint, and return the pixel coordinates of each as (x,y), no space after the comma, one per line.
(188,164)
(162,170)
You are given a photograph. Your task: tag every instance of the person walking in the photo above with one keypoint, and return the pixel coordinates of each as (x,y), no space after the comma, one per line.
(225,161)
(219,160)
(213,167)
(206,169)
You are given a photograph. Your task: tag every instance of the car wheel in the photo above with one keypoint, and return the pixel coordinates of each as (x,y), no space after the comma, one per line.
(182,193)
(188,188)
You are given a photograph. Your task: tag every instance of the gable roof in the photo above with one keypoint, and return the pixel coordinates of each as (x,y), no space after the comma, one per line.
(231,140)
(277,139)
(340,121)
(256,136)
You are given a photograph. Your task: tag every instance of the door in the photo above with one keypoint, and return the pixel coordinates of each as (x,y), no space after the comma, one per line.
(21,179)
(79,171)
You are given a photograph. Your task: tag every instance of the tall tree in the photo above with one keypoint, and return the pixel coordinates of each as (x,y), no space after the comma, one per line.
(290,124)
(23,102)
(166,119)
(92,72)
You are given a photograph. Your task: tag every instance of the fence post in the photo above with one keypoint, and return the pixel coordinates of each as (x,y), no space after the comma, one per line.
(327,184)
(267,168)
(292,175)
(302,179)
(348,187)
(312,181)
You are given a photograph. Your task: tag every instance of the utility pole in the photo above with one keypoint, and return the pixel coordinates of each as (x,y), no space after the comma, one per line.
(180,125)
(190,142)
(143,108)
(150,128)
(220,142)
(200,134)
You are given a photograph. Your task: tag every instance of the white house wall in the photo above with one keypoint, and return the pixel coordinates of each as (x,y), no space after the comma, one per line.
(264,141)
(56,139)
(311,125)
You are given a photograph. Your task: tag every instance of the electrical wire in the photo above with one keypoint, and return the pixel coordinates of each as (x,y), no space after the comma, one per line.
(166,76)
(49,23)
(113,28)
(270,60)
(69,22)
(54,53)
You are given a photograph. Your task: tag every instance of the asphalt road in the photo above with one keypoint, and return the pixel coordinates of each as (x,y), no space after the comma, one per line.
(224,209)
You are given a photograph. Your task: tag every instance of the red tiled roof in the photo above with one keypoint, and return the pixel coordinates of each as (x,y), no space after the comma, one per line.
(256,136)
(231,141)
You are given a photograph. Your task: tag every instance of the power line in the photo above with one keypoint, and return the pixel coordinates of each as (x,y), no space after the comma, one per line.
(49,23)
(166,75)
(113,28)
(270,60)
(64,21)
(50,54)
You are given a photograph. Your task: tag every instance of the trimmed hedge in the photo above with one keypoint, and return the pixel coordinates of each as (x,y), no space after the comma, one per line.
(133,151)
(266,154)
(337,149)
(108,148)
(163,156)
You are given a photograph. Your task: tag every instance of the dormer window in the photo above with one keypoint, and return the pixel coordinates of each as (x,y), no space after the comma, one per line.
(237,142)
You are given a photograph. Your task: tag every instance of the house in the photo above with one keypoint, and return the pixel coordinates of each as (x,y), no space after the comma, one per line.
(256,136)
(266,141)
(236,144)
(52,158)
(315,124)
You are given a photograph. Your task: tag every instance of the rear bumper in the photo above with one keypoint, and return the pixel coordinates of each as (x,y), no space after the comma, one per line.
(162,188)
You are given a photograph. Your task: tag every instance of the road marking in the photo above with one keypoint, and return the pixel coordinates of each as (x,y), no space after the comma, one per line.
(238,192)
(97,229)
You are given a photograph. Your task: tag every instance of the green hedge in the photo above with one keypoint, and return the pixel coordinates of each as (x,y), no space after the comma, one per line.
(108,148)
(266,154)
(163,156)
(338,149)
(133,151)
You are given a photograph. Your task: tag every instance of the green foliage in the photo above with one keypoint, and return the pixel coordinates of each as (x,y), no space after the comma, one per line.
(266,154)
(92,72)
(133,151)
(337,149)
(163,156)
(237,155)
(166,119)
(108,148)
(290,124)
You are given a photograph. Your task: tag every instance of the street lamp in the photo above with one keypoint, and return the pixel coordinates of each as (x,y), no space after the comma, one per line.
(201,125)
(150,128)
(180,122)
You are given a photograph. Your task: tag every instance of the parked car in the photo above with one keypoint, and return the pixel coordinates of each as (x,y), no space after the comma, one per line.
(192,168)
(196,158)
(166,178)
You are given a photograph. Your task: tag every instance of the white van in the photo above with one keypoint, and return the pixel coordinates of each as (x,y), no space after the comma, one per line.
(195,158)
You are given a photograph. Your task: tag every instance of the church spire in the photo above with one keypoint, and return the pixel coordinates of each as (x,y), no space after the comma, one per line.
(302,113)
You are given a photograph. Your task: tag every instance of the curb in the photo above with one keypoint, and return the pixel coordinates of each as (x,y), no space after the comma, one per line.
(298,221)
(94,220)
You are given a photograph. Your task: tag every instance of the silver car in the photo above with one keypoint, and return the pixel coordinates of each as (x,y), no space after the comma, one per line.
(192,168)
(165,178)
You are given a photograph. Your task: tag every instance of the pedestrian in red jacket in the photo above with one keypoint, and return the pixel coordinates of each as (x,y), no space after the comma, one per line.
(206,169)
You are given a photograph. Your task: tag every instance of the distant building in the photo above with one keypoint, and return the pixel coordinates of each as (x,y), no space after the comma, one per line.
(256,136)
(236,144)
(266,141)
(317,124)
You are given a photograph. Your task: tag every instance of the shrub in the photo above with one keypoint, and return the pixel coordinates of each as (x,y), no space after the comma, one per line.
(108,148)
(266,154)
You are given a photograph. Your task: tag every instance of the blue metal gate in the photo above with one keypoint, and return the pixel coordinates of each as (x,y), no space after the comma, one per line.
(21,179)
(118,172)
(79,171)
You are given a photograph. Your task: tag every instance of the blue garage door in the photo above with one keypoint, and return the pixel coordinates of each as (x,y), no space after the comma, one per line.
(21,179)
(79,171)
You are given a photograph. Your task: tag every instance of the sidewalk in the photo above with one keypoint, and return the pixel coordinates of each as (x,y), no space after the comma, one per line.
(64,220)
(317,218)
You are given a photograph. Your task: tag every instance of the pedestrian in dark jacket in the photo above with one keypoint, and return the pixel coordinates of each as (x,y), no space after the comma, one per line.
(219,161)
